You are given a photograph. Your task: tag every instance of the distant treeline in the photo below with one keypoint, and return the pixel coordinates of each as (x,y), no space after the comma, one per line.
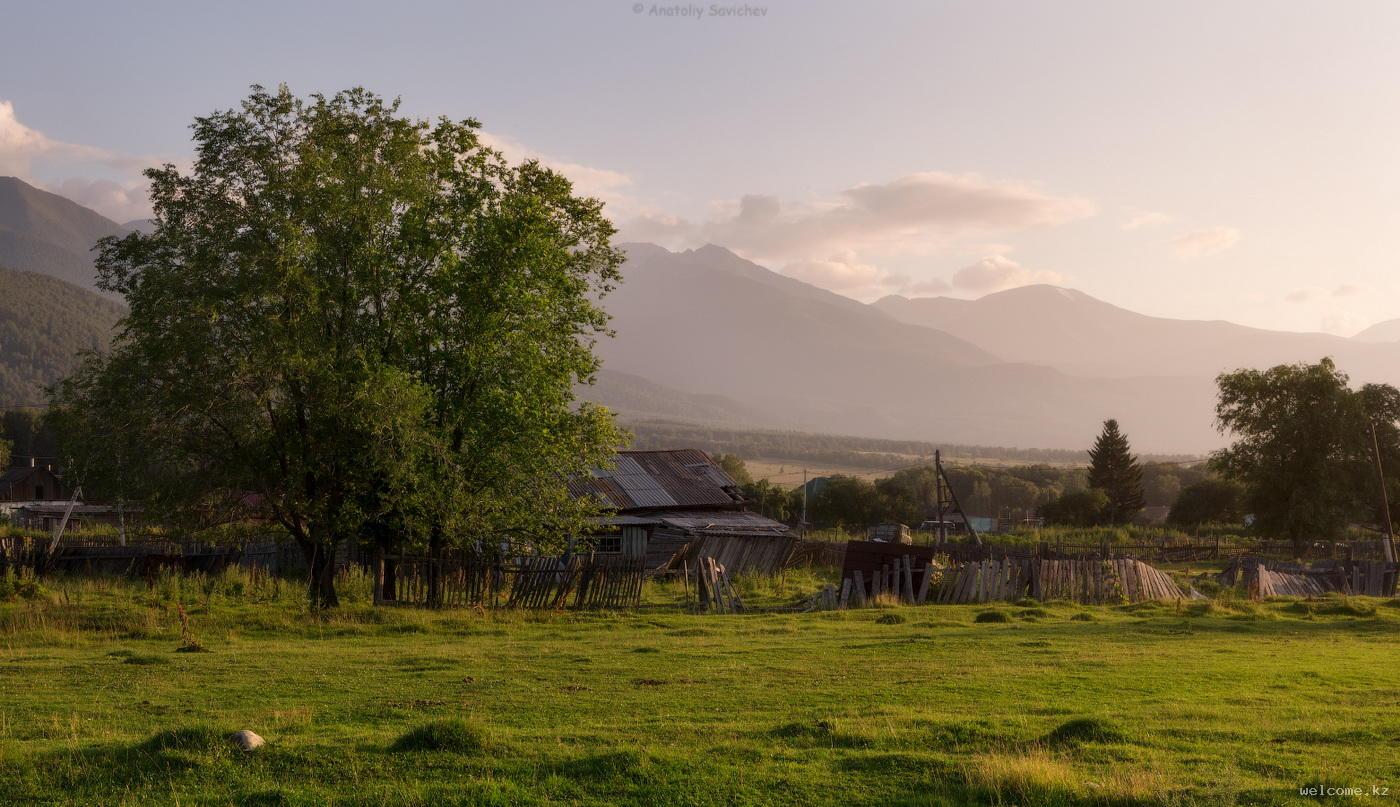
(841,450)
(908,495)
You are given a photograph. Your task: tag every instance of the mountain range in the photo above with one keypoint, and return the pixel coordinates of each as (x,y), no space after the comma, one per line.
(706,336)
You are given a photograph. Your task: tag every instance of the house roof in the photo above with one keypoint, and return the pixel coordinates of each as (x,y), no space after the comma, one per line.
(703,521)
(654,480)
(19,474)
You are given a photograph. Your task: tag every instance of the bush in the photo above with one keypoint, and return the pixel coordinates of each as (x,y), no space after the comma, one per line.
(889,619)
(453,736)
(992,616)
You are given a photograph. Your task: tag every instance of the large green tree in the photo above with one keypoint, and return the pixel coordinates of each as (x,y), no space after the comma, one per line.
(1303,447)
(1114,470)
(374,323)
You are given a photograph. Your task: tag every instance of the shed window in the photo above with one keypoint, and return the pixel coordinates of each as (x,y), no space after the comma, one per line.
(607,543)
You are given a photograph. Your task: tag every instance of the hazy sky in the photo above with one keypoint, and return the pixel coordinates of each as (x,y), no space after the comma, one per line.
(1209,160)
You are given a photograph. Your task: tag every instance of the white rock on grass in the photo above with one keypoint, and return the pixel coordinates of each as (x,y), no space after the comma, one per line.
(247,740)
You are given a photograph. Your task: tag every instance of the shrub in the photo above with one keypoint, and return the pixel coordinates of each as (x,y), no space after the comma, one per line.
(454,736)
(992,616)
(889,619)
(201,739)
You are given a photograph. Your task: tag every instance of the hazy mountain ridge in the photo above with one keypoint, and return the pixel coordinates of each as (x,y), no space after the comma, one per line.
(1079,334)
(46,233)
(1387,331)
(44,324)
(706,321)
(706,336)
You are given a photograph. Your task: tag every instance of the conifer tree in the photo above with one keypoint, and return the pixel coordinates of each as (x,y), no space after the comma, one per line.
(1114,470)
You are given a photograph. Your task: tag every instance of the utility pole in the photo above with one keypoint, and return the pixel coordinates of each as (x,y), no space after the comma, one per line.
(804,502)
(953,494)
(938,491)
(1385,500)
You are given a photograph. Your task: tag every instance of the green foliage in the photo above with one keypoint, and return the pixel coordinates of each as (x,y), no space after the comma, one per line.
(844,502)
(453,736)
(1303,447)
(992,616)
(733,465)
(840,450)
(374,323)
(45,324)
(774,501)
(1114,470)
(1210,501)
(1083,508)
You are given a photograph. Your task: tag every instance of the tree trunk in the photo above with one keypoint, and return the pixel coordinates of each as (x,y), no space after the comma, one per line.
(320,564)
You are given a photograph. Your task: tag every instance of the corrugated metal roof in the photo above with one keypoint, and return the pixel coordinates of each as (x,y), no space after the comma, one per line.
(722,521)
(652,480)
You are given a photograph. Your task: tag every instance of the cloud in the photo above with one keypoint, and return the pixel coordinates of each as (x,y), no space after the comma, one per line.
(120,203)
(1208,241)
(911,215)
(1139,219)
(997,273)
(104,180)
(1311,293)
(1343,323)
(928,288)
(601,183)
(845,275)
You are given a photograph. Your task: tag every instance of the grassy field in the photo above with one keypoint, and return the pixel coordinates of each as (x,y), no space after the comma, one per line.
(1224,702)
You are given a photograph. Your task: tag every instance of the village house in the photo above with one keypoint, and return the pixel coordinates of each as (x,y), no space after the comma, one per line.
(32,483)
(663,502)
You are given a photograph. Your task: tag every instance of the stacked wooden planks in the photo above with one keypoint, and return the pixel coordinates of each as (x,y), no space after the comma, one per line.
(898,579)
(714,591)
(609,581)
(592,581)
(1266,583)
(1082,581)
(988,580)
(1263,577)
(760,554)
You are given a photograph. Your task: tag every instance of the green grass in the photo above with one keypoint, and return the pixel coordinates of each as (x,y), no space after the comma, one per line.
(1238,703)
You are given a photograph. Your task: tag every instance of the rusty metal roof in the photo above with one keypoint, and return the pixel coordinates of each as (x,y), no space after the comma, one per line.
(658,480)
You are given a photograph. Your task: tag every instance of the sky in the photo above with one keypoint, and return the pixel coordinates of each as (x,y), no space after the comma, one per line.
(1200,160)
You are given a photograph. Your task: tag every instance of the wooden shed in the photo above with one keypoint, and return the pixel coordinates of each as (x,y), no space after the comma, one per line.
(664,502)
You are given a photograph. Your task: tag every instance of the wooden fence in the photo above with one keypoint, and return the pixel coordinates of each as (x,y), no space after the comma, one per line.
(545,581)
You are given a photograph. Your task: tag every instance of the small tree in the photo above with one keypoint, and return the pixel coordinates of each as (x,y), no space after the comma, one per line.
(1114,470)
